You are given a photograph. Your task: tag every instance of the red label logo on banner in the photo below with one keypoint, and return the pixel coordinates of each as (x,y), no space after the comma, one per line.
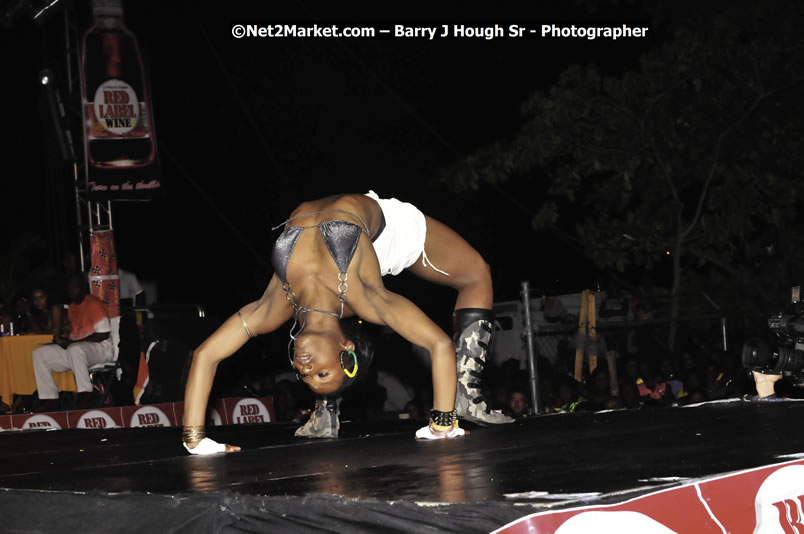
(40,421)
(250,411)
(96,419)
(149,416)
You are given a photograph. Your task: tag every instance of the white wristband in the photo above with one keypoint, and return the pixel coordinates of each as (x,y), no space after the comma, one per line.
(206,447)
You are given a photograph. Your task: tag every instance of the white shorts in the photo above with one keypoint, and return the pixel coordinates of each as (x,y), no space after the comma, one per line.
(402,240)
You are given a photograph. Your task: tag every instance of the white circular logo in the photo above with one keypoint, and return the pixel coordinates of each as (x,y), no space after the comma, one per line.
(215,417)
(40,421)
(96,419)
(779,501)
(250,411)
(149,416)
(116,106)
(614,522)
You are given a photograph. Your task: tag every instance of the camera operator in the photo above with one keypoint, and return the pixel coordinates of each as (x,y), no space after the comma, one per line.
(769,361)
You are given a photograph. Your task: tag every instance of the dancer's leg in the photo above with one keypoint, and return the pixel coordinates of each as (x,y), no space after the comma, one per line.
(468,271)
(473,318)
(324,421)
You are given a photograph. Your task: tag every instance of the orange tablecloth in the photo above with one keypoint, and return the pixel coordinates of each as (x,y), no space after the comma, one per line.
(16,368)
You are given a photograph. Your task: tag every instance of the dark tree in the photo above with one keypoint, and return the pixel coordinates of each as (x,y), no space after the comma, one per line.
(693,155)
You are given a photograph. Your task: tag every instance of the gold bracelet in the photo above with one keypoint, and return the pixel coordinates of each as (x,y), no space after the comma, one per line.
(441,428)
(192,435)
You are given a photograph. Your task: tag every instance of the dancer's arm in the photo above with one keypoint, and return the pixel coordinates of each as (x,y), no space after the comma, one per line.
(407,320)
(369,299)
(373,302)
(261,316)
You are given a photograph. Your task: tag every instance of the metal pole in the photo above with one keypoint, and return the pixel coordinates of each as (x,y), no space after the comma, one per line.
(68,49)
(532,367)
(78,209)
(723,328)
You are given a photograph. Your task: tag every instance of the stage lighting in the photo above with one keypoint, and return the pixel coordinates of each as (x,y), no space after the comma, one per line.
(57,114)
(42,10)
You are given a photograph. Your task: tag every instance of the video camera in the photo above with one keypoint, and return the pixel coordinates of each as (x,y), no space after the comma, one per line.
(788,355)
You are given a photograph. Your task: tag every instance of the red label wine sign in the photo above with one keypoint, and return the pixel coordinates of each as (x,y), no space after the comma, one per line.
(117,112)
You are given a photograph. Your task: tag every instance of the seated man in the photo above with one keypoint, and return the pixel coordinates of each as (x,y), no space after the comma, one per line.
(88,344)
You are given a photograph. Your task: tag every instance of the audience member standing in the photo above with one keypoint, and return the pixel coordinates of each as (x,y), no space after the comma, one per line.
(131,292)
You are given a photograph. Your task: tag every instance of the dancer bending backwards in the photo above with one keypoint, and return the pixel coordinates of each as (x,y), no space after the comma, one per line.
(328,264)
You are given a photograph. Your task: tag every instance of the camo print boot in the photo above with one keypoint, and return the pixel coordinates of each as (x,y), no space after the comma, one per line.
(472,338)
(324,422)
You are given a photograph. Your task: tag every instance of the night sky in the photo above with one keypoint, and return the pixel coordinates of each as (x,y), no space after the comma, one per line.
(247,129)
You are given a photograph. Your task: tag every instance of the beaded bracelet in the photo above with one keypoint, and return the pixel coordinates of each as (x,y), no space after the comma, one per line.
(191,435)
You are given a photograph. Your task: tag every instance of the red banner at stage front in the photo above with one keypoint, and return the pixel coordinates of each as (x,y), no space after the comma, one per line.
(235,411)
(763,500)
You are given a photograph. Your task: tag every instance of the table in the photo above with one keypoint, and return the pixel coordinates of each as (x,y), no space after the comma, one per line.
(16,367)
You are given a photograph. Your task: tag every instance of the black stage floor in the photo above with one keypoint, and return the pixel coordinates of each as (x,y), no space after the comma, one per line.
(377,478)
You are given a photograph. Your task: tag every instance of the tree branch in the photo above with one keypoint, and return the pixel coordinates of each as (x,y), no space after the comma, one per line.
(599,148)
(664,170)
(698,253)
(660,96)
(716,159)
(655,151)
(719,145)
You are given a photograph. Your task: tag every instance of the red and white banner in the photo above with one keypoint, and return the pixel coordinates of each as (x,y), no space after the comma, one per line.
(104,279)
(237,411)
(764,500)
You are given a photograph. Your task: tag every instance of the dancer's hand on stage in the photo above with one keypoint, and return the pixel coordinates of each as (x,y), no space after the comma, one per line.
(208,446)
(430,432)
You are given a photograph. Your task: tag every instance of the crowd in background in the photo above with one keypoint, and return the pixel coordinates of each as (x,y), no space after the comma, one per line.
(45,305)
(32,311)
(643,381)
(36,305)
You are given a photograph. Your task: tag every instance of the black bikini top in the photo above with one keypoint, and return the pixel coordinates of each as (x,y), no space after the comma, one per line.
(341,238)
